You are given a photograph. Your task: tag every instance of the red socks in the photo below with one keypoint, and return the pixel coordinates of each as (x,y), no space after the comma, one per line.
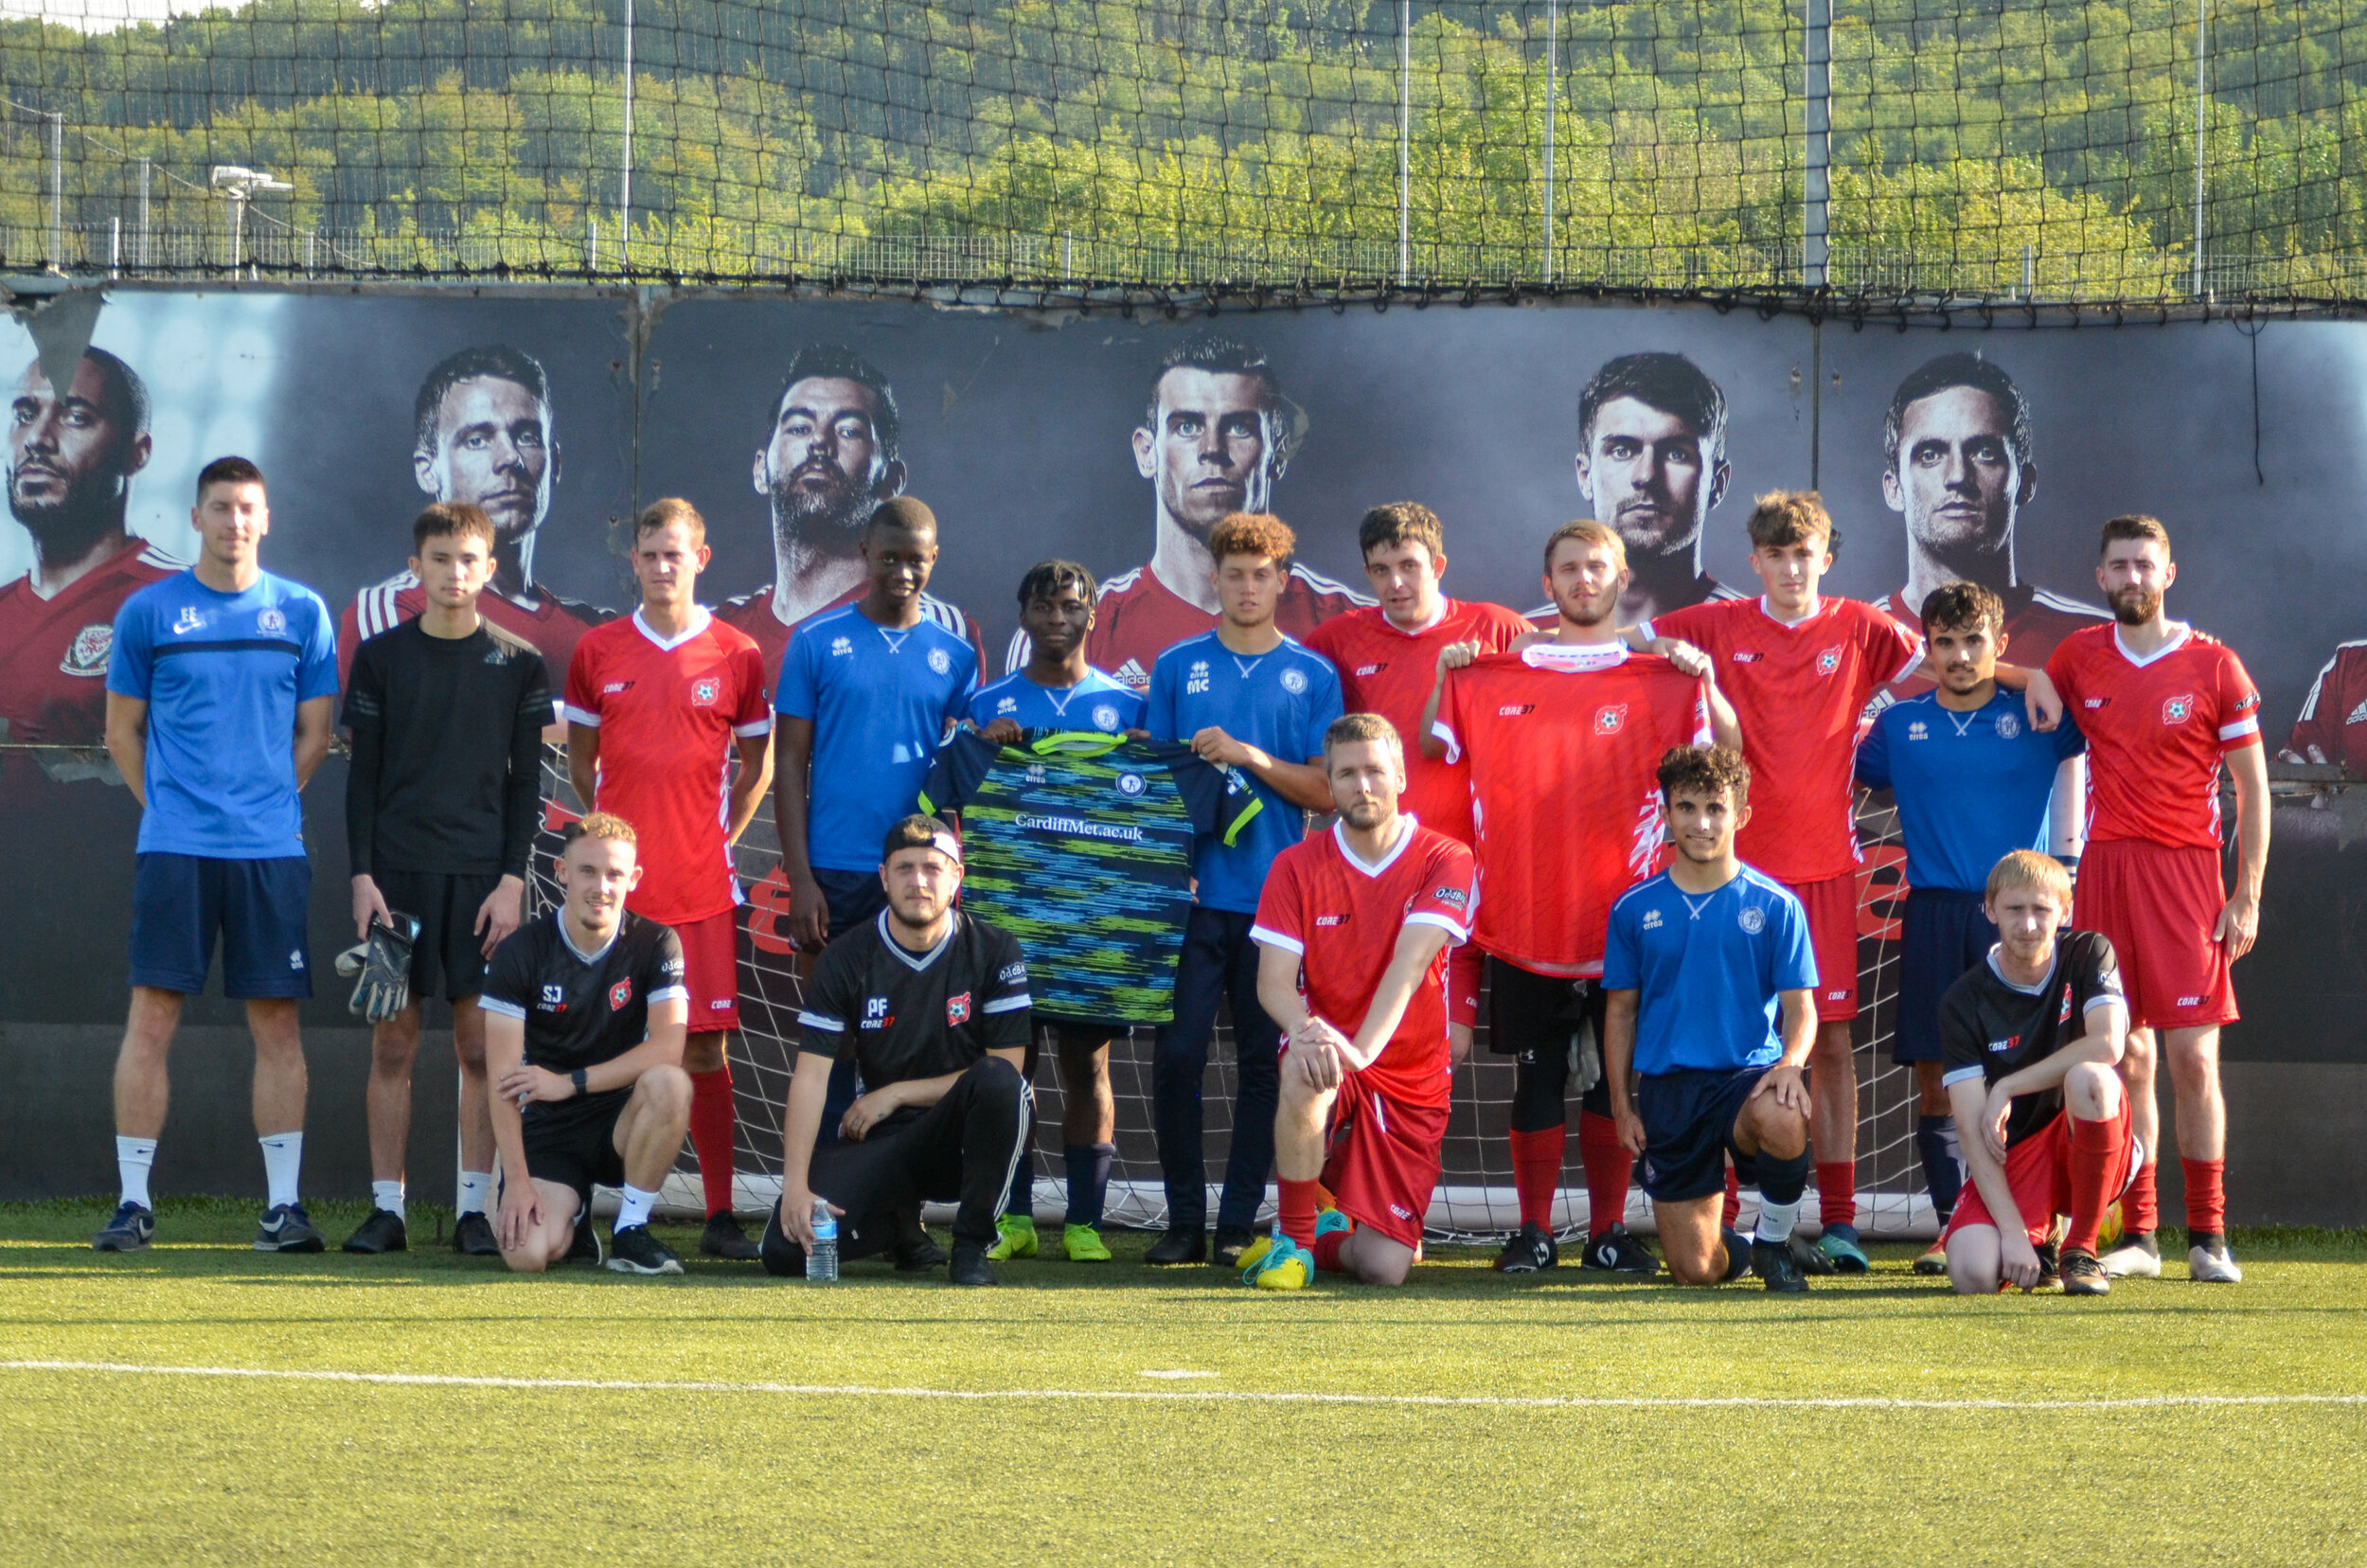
(1609,1168)
(712,1124)
(1298,1211)
(1536,1173)
(2096,1153)
(1732,1210)
(2206,1195)
(1327,1250)
(2141,1208)
(1837,1192)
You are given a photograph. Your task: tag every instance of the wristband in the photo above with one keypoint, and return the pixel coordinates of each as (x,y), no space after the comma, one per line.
(580,1081)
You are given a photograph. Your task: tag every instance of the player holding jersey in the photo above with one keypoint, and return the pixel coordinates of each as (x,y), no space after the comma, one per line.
(2163,706)
(1799,666)
(1353,929)
(1710,970)
(1388,659)
(1563,740)
(1247,698)
(2032,1036)
(657,704)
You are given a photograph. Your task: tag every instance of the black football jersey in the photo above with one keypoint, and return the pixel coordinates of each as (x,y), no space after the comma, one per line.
(582,1010)
(1990,1028)
(916,1015)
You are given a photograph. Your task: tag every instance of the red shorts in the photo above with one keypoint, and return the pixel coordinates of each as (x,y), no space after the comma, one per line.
(710,969)
(2158,903)
(1465,965)
(2037,1172)
(1382,1165)
(1832,909)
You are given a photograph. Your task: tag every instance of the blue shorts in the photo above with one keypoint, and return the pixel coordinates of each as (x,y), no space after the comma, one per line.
(259,906)
(1947,932)
(1688,1121)
(856,899)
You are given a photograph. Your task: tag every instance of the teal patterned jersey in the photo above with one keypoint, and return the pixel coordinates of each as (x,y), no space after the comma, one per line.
(1081,846)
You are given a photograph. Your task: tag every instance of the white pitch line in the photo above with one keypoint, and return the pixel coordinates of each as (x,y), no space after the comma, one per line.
(1193,1395)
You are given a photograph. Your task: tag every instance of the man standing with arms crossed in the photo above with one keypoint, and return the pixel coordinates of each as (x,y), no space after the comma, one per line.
(442,804)
(220,699)
(2162,706)
(656,705)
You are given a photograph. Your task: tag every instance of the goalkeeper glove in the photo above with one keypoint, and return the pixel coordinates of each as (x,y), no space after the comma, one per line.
(382,962)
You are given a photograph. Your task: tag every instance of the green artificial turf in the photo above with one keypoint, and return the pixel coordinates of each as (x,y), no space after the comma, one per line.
(115,1467)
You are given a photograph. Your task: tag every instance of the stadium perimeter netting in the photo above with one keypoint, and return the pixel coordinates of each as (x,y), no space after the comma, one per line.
(1475,1197)
(1824,151)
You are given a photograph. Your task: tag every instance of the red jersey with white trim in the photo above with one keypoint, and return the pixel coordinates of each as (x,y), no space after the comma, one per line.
(754,614)
(1798,692)
(544,622)
(1388,672)
(2036,622)
(2333,725)
(1564,747)
(668,713)
(2155,731)
(1342,917)
(1136,617)
(53,651)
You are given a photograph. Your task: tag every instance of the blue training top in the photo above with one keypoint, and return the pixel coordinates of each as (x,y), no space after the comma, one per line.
(221,675)
(1096,703)
(1971,786)
(1707,967)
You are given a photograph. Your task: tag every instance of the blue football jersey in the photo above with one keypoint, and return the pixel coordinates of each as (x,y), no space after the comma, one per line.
(1096,703)
(1707,968)
(1970,787)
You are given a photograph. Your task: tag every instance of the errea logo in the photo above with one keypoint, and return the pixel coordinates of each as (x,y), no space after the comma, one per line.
(1918,730)
(842,648)
(1196,679)
(1651,920)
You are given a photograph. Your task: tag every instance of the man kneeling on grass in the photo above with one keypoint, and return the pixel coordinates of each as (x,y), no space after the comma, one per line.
(931,1005)
(2030,1042)
(585,1014)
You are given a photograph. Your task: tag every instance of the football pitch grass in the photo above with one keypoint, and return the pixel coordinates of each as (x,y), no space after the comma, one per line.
(203,1403)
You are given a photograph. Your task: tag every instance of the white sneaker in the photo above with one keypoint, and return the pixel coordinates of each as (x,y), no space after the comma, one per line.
(2136,1257)
(2212,1265)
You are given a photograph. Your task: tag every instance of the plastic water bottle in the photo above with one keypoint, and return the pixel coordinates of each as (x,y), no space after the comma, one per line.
(822,1258)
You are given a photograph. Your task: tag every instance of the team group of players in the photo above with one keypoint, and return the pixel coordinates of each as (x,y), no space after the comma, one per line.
(1653,788)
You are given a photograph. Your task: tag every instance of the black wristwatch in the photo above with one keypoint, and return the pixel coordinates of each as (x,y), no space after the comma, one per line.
(576,1078)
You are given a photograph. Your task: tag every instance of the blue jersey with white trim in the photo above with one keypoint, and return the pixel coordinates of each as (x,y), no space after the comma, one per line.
(1970,787)
(1708,968)
(1096,703)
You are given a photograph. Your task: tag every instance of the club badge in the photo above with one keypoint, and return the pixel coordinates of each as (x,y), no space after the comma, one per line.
(957,1009)
(87,653)
(618,994)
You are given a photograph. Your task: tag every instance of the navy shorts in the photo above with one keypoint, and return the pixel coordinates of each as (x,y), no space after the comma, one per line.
(448,953)
(259,906)
(1688,1121)
(854,898)
(1947,932)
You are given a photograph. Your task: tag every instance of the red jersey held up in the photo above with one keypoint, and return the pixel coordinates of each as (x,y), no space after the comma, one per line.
(53,651)
(1136,617)
(2036,622)
(544,622)
(754,614)
(1388,672)
(1564,747)
(667,712)
(2333,725)
(1342,917)
(1798,692)
(2156,729)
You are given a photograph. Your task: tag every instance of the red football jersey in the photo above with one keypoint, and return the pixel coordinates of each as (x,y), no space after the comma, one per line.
(1798,692)
(2036,624)
(668,713)
(53,651)
(549,625)
(1136,617)
(2156,730)
(2333,725)
(1564,747)
(1387,671)
(1342,917)
(754,614)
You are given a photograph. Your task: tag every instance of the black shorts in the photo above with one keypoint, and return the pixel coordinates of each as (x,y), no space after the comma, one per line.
(573,1141)
(259,908)
(1688,1121)
(448,949)
(1947,932)
(1527,1011)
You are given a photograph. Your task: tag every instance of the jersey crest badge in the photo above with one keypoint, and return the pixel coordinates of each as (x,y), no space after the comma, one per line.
(705,692)
(1106,720)
(1131,784)
(271,622)
(87,653)
(2064,1017)
(618,994)
(2177,710)
(940,661)
(1828,661)
(1753,920)
(1295,681)
(2008,727)
(957,1009)
(1608,718)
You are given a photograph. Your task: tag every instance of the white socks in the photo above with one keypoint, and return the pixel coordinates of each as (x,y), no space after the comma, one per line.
(1776,1219)
(633,1210)
(476,1189)
(283,1155)
(388,1196)
(133,1156)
